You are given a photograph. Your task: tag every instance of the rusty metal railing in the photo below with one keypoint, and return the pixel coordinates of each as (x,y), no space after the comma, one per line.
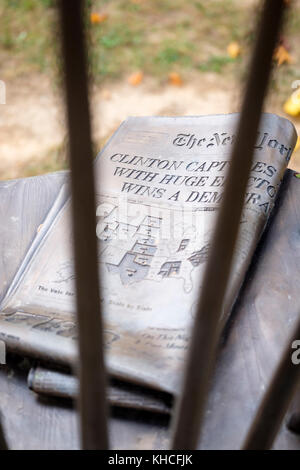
(206,328)
(293,415)
(92,396)
(3,443)
(206,331)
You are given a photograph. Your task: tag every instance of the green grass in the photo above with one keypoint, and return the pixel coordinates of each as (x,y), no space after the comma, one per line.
(156,36)
(216,64)
(26,34)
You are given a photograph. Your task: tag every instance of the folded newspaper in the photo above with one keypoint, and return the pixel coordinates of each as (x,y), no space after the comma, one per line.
(160,181)
(58,383)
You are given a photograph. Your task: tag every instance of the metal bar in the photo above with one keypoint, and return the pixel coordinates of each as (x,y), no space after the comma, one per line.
(275,401)
(92,400)
(293,418)
(206,329)
(3,443)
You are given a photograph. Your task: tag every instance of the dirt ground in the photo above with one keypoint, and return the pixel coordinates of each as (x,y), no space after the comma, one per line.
(32,120)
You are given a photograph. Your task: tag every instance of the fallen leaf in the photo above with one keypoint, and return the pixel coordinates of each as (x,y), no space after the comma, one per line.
(97,18)
(175,79)
(292,104)
(291,108)
(233,49)
(282,56)
(136,78)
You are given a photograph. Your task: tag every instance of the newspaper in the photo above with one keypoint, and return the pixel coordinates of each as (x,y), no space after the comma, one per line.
(160,181)
(58,383)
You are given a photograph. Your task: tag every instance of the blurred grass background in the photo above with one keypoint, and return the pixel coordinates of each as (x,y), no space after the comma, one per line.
(157,37)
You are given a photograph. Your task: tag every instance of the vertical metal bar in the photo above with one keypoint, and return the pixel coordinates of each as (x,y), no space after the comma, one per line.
(206,329)
(275,401)
(293,418)
(3,443)
(92,400)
